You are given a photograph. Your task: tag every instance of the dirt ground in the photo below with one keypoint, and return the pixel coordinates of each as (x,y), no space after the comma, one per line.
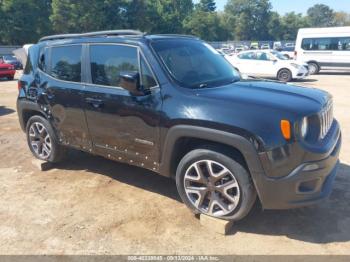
(90,205)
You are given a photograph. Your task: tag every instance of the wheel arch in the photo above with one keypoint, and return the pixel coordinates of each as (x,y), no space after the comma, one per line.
(237,145)
(26,110)
(180,139)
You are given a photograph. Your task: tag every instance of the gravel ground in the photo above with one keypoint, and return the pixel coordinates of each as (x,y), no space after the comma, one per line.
(90,205)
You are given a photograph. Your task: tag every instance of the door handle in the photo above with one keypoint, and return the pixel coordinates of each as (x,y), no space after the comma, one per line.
(96,103)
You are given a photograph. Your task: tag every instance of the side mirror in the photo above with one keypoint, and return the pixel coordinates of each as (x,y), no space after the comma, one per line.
(130,80)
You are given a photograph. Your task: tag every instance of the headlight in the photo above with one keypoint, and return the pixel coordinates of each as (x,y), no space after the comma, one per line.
(304,127)
(295,65)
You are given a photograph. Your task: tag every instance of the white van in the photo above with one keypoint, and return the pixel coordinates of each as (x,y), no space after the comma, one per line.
(323,47)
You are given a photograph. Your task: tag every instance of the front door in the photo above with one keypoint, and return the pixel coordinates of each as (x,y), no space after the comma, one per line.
(123,126)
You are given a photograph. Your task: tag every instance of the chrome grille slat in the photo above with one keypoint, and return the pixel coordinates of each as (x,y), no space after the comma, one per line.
(326,119)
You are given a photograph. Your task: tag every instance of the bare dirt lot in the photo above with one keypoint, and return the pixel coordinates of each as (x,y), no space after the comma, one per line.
(90,205)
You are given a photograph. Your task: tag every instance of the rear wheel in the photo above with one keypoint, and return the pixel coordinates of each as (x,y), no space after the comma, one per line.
(284,75)
(314,68)
(10,78)
(214,184)
(42,140)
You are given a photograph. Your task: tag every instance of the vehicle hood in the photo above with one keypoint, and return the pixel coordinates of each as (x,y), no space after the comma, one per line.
(268,94)
(5,65)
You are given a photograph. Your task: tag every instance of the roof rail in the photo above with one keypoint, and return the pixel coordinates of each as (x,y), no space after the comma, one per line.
(93,34)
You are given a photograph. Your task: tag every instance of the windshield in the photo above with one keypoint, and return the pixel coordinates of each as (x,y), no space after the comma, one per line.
(279,55)
(195,64)
(9,57)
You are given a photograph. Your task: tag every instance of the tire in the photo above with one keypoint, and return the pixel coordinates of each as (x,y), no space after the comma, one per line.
(42,140)
(284,75)
(239,186)
(314,68)
(11,78)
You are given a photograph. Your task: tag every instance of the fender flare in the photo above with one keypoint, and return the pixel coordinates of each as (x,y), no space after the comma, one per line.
(23,106)
(239,142)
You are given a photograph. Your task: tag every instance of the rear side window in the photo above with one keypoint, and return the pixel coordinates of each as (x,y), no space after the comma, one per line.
(66,63)
(108,61)
(43,59)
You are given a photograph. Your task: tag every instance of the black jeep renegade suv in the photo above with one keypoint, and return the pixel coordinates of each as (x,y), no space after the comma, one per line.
(172,104)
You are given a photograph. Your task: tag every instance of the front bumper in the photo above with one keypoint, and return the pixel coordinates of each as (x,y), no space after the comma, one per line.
(7,73)
(309,183)
(300,73)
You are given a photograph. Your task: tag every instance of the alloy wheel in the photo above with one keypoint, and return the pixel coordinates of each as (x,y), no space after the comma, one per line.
(211,188)
(40,140)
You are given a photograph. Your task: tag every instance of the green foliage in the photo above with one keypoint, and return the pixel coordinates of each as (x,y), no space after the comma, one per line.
(251,18)
(207,5)
(25,21)
(206,25)
(320,15)
(291,23)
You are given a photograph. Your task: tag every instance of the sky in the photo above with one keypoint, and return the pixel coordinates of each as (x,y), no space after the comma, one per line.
(298,6)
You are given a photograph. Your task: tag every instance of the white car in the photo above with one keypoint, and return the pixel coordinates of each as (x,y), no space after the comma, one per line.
(268,63)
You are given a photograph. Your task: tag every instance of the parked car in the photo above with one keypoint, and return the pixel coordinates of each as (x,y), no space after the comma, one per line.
(288,52)
(254,45)
(289,45)
(265,46)
(12,60)
(172,104)
(7,70)
(324,47)
(239,48)
(268,63)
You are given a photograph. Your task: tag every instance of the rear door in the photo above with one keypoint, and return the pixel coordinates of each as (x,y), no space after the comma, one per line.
(123,126)
(60,78)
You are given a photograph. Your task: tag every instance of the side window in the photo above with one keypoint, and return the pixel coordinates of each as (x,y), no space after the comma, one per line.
(43,59)
(108,61)
(306,44)
(66,63)
(344,44)
(322,44)
(262,56)
(147,77)
(249,55)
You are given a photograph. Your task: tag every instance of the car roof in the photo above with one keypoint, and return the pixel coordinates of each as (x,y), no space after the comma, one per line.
(119,36)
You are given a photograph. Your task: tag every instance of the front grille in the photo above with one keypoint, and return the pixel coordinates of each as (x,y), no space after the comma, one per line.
(326,119)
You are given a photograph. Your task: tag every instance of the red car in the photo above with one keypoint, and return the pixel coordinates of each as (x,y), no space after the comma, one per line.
(7,70)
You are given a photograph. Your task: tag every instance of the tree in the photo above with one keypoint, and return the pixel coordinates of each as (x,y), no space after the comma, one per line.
(69,16)
(207,5)
(341,19)
(291,23)
(251,18)
(24,21)
(206,25)
(320,15)
(275,27)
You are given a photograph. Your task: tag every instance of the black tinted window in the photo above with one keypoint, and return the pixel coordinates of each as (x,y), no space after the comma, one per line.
(66,63)
(43,59)
(107,61)
(320,44)
(148,80)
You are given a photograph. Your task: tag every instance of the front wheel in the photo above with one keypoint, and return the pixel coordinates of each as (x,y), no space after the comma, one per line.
(314,68)
(214,184)
(284,75)
(42,140)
